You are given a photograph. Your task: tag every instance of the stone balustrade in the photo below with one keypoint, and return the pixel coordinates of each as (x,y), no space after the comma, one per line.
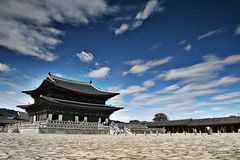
(73,125)
(64,127)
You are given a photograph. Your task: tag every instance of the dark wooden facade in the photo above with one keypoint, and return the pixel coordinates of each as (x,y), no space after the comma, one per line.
(66,100)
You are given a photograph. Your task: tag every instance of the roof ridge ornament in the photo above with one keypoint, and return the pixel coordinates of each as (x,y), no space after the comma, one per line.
(49,76)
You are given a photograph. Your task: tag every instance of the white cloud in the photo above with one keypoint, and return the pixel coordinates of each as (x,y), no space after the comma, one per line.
(140,67)
(132,89)
(129,90)
(4,68)
(216,109)
(58,74)
(85,56)
(226,96)
(227,80)
(197,112)
(188,47)
(134,62)
(182,42)
(176,99)
(237,30)
(150,7)
(156,45)
(11,92)
(121,29)
(96,64)
(33,33)
(12,85)
(201,71)
(190,94)
(169,89)
(211,33)
(99,73)
(148,83)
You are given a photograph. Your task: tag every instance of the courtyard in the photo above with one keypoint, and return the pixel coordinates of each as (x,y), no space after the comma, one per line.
(94,147)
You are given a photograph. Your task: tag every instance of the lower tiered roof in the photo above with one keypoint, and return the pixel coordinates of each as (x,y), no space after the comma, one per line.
(43,100)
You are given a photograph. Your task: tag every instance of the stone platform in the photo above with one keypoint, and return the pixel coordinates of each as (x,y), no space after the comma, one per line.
(93,147)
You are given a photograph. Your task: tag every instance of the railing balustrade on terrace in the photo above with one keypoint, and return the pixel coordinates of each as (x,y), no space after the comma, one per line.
(73,125)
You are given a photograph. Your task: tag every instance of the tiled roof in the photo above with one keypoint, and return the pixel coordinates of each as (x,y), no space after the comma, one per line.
(216,121)
(71,103)
(183,122)
(81,87)
(197,122)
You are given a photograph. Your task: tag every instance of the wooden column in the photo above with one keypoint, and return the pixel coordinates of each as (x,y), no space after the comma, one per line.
(50,117)
(85,118)
(60,117)
(76,118)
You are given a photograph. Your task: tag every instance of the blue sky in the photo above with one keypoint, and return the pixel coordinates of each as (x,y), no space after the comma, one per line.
(181,57)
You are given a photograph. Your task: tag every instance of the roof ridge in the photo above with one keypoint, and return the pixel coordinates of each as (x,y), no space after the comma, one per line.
(79,82)
(68,80)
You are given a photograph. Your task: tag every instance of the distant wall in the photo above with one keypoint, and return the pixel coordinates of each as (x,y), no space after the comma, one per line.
(29,128)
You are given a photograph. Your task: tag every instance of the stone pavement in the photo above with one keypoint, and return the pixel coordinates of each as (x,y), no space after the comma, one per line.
(94,147)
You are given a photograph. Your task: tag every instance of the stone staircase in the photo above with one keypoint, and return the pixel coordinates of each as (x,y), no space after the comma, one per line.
(13,129)
(127,131)
(114,129)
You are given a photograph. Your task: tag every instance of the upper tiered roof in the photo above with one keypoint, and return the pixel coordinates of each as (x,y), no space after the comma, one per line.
(76,86)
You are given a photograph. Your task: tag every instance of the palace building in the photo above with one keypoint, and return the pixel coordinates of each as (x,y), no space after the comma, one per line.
(223,124)
(66,100)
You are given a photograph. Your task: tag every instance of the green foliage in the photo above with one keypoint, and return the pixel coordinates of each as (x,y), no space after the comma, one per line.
(7,112)
(134,121)
(160,117)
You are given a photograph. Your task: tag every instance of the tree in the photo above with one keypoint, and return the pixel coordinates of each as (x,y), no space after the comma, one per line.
(131,121)
(160,117)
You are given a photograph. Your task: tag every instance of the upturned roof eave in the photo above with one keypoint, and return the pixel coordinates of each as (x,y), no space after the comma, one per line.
(50,79)
(72,103)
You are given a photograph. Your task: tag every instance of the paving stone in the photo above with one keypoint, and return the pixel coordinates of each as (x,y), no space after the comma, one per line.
(102,147)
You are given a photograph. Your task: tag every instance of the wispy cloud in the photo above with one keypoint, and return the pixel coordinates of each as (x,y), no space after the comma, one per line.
(11,85)
(182,42)
(211,33)
(99,73)
(148,83)
(140,66)
(226,96)
(33,33)
(175,101)
(199,85)
(121,29)
(85,56)
(4,68)
(196,112)
(188,47)
(209,68)
(155,45)
(58,74)
(150,7)
(191,93)
(237,30)
(133,89)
